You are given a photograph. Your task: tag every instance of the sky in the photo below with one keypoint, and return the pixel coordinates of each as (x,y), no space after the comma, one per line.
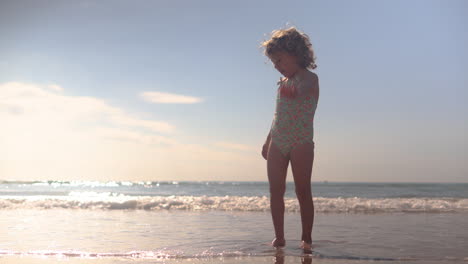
(181,91)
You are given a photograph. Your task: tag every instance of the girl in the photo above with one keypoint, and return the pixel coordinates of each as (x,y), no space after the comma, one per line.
(291,135)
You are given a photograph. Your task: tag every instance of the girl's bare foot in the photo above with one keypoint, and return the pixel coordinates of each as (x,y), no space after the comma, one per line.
(278,242)
(306,245)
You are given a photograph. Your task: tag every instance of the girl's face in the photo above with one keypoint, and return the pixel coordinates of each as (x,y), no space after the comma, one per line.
(285,63)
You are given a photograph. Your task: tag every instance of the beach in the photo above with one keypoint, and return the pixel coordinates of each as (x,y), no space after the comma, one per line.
(274,260)
(137,132)
(48,229)
(227,237)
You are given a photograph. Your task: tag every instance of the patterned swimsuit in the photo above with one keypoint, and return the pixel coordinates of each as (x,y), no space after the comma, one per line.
(293,119)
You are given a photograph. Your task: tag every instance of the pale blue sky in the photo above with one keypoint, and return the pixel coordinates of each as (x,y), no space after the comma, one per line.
(392,74)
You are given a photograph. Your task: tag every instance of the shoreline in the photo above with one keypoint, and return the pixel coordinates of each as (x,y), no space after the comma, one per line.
(9,259)
(87,236)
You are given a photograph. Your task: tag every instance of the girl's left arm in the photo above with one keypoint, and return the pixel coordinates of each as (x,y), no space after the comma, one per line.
(309,87)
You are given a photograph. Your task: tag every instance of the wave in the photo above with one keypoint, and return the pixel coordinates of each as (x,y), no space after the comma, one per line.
(89,183)
(114,201)
(123,183)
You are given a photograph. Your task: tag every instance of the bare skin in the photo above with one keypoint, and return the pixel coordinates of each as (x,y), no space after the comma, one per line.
(277,166)
(301,158)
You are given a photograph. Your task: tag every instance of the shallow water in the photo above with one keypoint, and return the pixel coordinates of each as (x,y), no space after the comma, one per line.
(182,235)
(174,222)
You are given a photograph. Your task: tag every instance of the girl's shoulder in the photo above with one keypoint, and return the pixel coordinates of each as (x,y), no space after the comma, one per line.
(309,85)
(310,78)
(309,81)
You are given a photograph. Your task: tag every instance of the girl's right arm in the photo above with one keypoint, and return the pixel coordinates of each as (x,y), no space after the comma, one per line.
(267,142)
(266,146)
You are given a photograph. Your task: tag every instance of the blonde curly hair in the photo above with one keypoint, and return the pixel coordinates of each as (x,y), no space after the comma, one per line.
(294,42)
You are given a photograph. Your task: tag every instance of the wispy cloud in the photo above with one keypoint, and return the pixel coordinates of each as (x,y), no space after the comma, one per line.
(55,87)
(234,146)
(169,98)
(82,137)
(155,126)
(48,103)
(135,137)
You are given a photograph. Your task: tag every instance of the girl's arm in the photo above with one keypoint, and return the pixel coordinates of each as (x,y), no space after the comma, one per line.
(266,146)
(267,142)
(268,138)
(309,86)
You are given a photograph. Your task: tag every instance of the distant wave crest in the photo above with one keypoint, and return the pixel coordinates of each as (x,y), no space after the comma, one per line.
(112,201)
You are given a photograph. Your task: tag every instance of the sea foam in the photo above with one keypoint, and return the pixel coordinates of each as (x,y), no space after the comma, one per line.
(113,201)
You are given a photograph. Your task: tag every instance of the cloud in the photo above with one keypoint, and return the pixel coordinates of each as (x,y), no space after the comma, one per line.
(135,137)
(47,134)
(168,98)
(234,146)
(55,87)
(43,103)
(155,126)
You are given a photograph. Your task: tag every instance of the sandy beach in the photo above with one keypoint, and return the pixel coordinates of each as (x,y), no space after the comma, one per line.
(191,222)
(58,236)
(246,260)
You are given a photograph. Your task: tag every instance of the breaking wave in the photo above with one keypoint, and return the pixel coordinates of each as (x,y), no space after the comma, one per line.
(113,201)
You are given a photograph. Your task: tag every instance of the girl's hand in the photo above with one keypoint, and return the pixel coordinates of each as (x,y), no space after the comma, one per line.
(265,150)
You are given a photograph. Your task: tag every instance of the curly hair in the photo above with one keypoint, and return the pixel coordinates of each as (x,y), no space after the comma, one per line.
(294,42)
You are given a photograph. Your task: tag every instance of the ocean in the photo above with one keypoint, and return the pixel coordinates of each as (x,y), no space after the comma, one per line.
(229,222)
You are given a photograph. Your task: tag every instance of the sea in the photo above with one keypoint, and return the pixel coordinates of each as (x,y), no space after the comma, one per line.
(229,222)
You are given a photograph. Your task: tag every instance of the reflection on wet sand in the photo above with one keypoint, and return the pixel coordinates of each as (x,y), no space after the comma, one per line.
(279,257)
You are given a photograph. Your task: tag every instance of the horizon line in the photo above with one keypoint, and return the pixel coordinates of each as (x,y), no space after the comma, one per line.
(2,181)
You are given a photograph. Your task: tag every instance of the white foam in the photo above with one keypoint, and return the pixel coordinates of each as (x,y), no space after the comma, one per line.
(113,201)
(82,254)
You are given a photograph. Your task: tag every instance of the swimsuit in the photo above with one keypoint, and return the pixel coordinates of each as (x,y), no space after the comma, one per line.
(293,119)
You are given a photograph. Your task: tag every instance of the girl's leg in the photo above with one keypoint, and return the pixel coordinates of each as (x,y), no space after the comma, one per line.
(302,158)
(277,166)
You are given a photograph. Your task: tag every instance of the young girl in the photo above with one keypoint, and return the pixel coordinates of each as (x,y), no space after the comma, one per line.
(291,135)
